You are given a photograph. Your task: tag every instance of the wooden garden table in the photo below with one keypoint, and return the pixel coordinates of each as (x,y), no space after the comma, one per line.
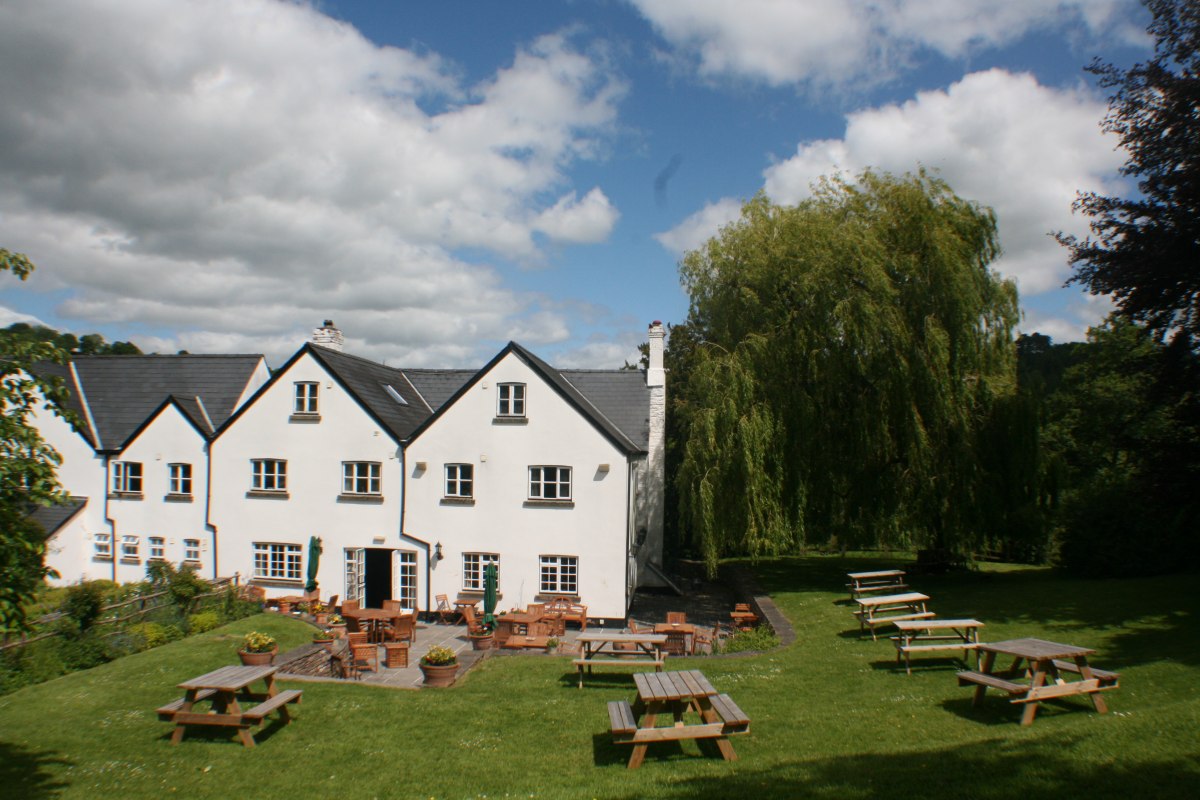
(225,688)
(601,647)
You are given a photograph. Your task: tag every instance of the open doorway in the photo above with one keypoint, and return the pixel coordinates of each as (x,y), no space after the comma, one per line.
(378,577)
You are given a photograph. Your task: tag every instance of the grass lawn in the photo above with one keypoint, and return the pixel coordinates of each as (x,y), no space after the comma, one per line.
(832,715)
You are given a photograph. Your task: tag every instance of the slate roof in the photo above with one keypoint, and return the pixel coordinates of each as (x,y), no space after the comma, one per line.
(122,392)
(51,518)
(438,385)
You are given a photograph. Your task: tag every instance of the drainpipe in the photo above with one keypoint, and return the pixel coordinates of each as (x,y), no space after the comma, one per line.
(208,523)
(112,526)
(421,542)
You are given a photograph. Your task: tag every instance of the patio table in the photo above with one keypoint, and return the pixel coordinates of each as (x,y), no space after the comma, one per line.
(601,647)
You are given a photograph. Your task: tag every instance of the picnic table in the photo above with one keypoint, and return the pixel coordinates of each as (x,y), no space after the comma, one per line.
(605,647)
(882,580)
(927,635)
(677,635)
(225,688)
(1047,661)
(890,608)
(676,694)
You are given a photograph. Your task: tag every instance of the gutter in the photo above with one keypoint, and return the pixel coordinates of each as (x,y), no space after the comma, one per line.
(403,504)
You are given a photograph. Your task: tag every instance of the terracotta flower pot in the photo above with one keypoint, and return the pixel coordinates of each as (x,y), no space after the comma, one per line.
(326,643)
(258,659)
(482,642)
(439,674)
(339,630)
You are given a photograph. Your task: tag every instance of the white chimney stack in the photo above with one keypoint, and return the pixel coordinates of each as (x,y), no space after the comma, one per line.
(328,336)
(655,374)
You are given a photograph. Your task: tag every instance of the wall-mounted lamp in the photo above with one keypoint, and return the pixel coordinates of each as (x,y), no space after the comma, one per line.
(603,468)
(421,465)
(437,552)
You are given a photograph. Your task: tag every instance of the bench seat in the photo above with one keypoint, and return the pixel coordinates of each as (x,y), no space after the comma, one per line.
(955,645)
(993,681)
(167,713)
(630,661)
(620,718)
(1108,680)
(256,714)
(733,719)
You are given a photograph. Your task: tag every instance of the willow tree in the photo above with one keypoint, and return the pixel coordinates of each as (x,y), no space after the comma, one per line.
(853,346)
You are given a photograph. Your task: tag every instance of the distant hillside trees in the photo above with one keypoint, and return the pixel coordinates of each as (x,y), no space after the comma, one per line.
(91,344)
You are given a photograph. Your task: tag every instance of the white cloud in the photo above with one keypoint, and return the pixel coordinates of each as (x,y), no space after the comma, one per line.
(996,138)
(8,316)
(242,169)
(700,226)
(830,43)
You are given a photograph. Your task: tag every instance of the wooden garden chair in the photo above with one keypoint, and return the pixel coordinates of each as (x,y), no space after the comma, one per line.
(365,656)
(444,610)
(676,618)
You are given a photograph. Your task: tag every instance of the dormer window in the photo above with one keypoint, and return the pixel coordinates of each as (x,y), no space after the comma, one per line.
(510,400)
(127,477)
(306,399)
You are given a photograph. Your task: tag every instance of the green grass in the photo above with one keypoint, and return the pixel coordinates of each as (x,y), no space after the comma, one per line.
(832,716)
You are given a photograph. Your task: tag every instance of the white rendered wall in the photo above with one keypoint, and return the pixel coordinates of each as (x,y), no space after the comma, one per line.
(594,527)
(81,474)
(314,452)
(169,439)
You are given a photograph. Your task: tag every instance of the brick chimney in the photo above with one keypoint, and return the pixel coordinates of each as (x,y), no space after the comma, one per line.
(329,336)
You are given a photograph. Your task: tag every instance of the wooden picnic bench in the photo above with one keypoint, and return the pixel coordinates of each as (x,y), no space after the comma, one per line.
(601,648)
(1047,661)
(931,635)
(887,609)
(676,693)
(226,688)
(882,580)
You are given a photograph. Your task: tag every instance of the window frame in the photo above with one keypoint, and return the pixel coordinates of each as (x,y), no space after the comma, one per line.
(259,475)
(127,477)
(179,479)
(157,548)
(506,406)
(278,561)
(131,547)
(373,478)
(191,550)
(306,398)
(540,483)
(102,545)
(557,565)
(473,565)
(458,480)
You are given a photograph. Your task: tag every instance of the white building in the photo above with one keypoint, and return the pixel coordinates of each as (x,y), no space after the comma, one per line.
(412,479)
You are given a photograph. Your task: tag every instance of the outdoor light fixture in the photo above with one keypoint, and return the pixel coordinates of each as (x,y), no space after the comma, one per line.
(437,552)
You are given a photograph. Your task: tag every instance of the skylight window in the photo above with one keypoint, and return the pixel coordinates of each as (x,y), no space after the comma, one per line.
(394,394)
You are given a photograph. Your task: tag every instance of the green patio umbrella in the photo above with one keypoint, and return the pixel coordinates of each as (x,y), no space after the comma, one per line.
(489,594)
(314,558)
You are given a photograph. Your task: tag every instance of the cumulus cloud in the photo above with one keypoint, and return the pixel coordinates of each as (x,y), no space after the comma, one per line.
(832,43)
(997,138)
(242,169)
(8,316)
(700,226)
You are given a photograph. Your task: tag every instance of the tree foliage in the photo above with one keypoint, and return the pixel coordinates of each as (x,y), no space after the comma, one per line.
(27,462)
(88,344)
(1145,250)
(846,353)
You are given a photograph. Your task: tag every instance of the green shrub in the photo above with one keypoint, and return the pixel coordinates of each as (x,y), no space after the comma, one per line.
(760,638)
(235,607)
(82,652)
(83,604)
(148,635)
(202,622)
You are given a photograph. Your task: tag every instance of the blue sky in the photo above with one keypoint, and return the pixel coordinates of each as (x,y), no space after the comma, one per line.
(441,177)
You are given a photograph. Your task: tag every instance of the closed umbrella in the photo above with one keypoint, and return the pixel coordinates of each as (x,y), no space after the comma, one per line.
(314,558)
(489,594)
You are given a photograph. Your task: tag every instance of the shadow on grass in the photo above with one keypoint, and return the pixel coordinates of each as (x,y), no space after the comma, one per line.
(25,773)
(613,677)
(217,734)
(999,768)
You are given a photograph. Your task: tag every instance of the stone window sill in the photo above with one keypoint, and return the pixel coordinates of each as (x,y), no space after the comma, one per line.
(510,421)
(272,494)
(549,503)
(360,498)
(305,418)
(126,496)
(178,498)
(458,501)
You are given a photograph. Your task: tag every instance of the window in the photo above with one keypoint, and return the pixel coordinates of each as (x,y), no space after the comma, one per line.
(191,549)
(460,480)
(103,544)
(406,578)
(511,400)
(157,546)
(277,561)
(360,477)
(560,575)
(306,398)
(180,478)
(473,564)
(270,475)
(549,483)
(127,477)
(129,547)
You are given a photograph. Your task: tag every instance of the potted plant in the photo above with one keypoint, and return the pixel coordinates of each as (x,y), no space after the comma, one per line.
(258,649)
(439,666)
(324,638)
(483,637)
(319,611)
(336,624)
(285,606)
(552,645)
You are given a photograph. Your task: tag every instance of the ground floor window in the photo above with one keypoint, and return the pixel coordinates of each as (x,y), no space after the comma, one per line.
(103,544)
(473,564)
(191,549)
(129,546)
(277,561)
(406,578)
(157,547)
(559,575)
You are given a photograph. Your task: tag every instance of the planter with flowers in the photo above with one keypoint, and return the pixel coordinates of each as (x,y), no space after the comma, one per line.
(552,645)
(336,624)
(324,638)
(258,649)
(439,666)
(482,637)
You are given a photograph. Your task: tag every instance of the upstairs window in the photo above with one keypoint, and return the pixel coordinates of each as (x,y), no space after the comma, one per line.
(473,564)
(269,475)
(306,398)
(129,547)
(277,561)
(191,549)
(549,483)
(510,400)
(360,477)
(460,480)
(127,477)
(180,478)
(102,542)
(157,548)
